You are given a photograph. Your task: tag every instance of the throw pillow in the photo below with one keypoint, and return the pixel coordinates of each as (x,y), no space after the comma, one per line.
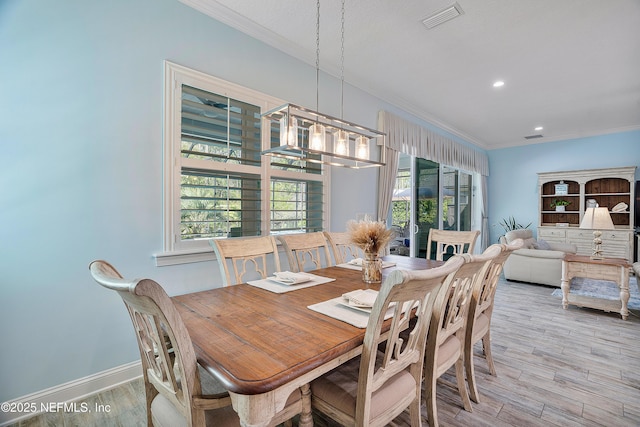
(529,243)
(542,244)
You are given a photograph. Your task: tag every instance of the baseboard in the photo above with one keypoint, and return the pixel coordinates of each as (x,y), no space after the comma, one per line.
(69,392)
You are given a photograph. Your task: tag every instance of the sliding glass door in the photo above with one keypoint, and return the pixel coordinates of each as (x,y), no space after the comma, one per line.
(428,195)
(427,199)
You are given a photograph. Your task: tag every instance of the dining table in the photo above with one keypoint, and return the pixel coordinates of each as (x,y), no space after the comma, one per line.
(263,345)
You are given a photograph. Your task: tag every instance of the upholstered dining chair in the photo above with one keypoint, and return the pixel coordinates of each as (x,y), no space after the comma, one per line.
(373,389)
(306,251)
(342,248)
(245,258)
(451,242)
(478,327)
(445,339)
(178,391)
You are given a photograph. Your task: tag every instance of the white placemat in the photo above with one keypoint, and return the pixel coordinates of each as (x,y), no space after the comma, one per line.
(280,288)
(350,266)
(337,309)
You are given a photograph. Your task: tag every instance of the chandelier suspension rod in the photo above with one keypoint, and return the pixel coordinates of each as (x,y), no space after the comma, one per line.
(317,55)
(342,64)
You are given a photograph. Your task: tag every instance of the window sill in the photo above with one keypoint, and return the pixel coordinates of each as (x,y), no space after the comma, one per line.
(183,257)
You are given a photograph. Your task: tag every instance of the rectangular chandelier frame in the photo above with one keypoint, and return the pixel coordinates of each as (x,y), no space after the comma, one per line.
(359,148)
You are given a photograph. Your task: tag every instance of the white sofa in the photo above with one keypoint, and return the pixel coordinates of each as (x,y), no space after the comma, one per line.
(538,261)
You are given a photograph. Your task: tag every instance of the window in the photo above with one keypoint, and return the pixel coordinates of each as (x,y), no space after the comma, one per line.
(217,184)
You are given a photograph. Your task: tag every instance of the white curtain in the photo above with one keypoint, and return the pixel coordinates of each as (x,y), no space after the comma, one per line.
(415,140)
(484,226)
(386,183)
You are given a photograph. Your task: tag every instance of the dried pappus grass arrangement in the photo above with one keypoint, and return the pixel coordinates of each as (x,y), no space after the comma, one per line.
(370,236)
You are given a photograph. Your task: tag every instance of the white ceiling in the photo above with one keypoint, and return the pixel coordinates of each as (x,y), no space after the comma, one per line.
(571,66)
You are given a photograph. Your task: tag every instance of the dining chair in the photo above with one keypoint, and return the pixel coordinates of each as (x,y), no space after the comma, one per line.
(480,311)
(245,258)
(374,388)
(306,251)
(451,242)
(178,390)
(342,248)
(445,339)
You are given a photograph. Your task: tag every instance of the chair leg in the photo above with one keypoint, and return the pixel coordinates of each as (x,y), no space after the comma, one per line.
(462,385)
(470,371)
(486,346)
(430,398)
(414,411)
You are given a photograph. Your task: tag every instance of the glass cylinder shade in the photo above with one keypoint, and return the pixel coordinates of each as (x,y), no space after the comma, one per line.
(317,137)
(362,148)
(341,143)
(288,131)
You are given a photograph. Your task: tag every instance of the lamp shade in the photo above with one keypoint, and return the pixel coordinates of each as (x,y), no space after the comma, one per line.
(597,219)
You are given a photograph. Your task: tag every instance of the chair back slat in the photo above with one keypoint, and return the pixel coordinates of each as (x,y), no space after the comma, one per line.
(451,242)
(342,248)
(245,258)
(482,298)
(403,291)
(306,251)
(168,359)
(448,326)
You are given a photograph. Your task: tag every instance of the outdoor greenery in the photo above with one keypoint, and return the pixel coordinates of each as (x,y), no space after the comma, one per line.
(428,212)
(214,206)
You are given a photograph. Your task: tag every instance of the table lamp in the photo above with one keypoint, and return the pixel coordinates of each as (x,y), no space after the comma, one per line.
(597,219)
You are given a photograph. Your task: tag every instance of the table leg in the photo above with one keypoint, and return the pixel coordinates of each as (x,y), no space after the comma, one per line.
(624,293)
(565,285)
(306,419)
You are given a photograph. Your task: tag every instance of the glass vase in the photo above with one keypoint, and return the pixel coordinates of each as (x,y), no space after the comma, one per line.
(371,268)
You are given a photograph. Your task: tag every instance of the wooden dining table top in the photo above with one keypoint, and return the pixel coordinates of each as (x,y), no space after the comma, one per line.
(255,341)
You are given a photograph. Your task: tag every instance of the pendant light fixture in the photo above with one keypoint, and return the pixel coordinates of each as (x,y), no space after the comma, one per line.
(304,133)
(317,132)
(341,136)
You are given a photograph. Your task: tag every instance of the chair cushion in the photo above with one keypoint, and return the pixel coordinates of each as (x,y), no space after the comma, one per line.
(165,414)
(339,388)
(448,353)
(480,327)
(541,244)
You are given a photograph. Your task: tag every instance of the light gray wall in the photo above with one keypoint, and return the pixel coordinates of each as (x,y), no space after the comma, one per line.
(513,183)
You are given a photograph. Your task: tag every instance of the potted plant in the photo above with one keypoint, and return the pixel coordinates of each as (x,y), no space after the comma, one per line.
(509,224)
(559,204)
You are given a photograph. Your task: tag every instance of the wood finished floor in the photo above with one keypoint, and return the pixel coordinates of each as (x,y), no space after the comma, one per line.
(575,367)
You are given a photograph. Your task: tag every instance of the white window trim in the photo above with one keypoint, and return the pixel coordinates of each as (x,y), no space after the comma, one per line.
(174,77)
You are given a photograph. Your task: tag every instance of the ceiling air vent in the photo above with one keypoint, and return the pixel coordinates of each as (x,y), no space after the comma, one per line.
(443,16)
(533,136)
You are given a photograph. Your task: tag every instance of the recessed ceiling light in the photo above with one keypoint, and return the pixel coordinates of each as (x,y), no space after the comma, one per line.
(538,128)
(499,83)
